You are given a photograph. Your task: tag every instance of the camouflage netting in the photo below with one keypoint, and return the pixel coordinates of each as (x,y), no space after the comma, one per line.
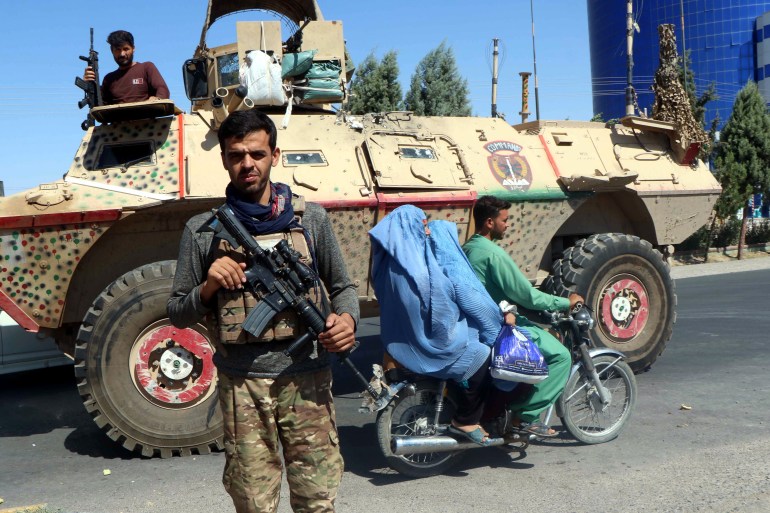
(671,102)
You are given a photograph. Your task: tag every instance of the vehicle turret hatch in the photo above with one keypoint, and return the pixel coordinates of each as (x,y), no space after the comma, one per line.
(415,162)
(148,109)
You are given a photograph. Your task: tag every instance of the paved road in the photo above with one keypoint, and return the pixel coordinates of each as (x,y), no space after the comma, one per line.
(714,457)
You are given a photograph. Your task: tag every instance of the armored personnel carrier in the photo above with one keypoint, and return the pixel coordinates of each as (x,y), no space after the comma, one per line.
(89,259)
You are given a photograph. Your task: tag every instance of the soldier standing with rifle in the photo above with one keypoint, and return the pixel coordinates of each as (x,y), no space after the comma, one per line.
(268,397)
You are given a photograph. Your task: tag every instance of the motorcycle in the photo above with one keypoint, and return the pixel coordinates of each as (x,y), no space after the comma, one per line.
(594,407)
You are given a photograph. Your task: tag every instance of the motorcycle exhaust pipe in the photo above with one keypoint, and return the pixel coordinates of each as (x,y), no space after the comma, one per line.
(403,445)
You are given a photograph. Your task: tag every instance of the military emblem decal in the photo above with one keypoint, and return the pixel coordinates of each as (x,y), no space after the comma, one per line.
(508,166)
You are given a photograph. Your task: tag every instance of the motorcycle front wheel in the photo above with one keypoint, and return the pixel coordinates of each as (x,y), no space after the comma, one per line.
(414,416)
(583,413)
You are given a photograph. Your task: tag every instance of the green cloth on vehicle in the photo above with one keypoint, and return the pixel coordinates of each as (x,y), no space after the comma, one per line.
(296,64)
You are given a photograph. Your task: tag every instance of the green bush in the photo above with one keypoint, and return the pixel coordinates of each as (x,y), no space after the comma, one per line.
(758,233)
(727,234)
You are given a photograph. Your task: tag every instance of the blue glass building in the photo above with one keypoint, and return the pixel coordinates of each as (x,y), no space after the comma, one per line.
(728,40)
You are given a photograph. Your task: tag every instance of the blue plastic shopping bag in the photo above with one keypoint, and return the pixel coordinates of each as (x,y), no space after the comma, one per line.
(515,357)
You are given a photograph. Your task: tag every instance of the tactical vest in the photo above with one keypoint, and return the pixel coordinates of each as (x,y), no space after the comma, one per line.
(233,306)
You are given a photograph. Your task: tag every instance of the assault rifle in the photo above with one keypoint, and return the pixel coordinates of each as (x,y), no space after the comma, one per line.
(283,281)
(93,93)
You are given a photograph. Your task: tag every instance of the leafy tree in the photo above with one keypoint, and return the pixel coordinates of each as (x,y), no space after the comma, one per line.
(375,87)
(743,155)
(437,89)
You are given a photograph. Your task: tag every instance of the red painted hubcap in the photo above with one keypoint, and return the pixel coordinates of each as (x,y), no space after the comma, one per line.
(173,367)
(624,307)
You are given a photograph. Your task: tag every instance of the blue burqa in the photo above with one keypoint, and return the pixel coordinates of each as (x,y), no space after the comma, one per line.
(427,322)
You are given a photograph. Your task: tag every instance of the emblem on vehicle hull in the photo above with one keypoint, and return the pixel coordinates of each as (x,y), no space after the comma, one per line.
(508,166)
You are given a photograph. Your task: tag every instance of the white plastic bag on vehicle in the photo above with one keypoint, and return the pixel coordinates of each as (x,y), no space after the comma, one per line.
(262,77)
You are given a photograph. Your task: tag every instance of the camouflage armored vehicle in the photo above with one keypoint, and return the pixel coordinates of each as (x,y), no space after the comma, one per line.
(89,259)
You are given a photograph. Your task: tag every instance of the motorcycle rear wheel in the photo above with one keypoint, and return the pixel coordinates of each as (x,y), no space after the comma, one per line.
(582,412)
(413,416)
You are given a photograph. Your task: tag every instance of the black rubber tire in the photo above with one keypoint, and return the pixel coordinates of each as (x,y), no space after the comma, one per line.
(595,264)
(420,406)
(117,317)
(580,415)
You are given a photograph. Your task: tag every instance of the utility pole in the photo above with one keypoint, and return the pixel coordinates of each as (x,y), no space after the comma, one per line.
(630,58)
(494,77)
(524,95)
(684,46)
(534,60)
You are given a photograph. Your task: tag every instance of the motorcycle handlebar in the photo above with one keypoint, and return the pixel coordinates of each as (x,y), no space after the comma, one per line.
(578,315)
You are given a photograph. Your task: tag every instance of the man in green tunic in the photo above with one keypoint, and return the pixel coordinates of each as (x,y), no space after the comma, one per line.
(504,281)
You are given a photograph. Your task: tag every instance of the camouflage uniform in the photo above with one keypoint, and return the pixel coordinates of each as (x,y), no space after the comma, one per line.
(267,397)
(295,410)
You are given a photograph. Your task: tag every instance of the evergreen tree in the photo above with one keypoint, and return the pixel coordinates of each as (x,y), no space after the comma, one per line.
(375,87)
(598,118)
(437,89)
(361,85)
(392,96)
(743,156)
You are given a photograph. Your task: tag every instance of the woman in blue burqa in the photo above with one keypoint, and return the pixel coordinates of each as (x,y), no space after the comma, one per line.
(436,318)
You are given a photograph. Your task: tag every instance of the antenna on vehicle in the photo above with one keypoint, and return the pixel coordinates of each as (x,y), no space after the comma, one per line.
(534,60)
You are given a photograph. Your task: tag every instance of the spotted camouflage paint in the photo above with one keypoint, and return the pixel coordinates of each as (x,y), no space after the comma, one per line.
(160,176)
(37,265)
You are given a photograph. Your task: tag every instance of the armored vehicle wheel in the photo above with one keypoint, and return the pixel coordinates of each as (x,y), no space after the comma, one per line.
(628,285)
(147,384)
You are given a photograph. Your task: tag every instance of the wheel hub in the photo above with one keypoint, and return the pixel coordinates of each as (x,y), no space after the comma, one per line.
(625,307)
(595,400)
(621,308)
(176,365)
(172,367)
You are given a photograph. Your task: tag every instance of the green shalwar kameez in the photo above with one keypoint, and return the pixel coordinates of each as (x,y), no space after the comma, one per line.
(504,281)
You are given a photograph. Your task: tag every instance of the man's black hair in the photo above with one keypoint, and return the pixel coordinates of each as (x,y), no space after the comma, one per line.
(488,207)
(241,123)
(120,38)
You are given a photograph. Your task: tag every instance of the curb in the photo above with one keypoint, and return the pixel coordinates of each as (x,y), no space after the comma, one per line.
(711,268)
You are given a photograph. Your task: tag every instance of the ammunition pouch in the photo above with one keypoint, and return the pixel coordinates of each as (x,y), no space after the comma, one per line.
(233,306)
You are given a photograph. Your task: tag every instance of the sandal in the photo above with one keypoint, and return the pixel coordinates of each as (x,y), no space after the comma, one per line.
(537,428)
(477,436)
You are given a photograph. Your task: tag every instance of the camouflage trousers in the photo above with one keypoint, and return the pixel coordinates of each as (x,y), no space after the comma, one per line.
(295,411)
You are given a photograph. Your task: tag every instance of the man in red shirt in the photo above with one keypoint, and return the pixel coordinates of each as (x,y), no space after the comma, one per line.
(132,81)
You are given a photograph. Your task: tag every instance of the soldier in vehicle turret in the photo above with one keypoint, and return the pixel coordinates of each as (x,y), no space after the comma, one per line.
(132,81)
